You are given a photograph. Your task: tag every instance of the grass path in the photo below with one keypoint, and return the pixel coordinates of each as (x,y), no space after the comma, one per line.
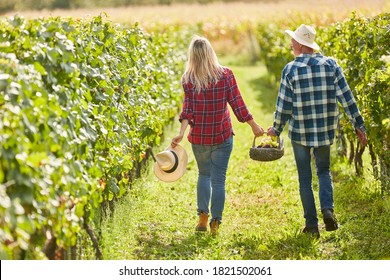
(263,214)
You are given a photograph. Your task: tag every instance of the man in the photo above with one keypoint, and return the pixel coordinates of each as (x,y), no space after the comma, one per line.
(310,87)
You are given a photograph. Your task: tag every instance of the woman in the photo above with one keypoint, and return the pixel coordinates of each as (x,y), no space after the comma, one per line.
(208,88)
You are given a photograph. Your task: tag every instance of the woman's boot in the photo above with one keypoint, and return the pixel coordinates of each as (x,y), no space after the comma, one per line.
(203,222)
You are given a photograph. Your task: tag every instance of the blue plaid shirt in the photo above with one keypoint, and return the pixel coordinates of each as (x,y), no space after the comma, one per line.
(309,90)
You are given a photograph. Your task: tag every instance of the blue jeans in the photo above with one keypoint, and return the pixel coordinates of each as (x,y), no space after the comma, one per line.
(212,163)
(303,161)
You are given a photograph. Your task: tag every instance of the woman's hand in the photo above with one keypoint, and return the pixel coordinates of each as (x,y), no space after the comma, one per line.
(176,140)
(256,129)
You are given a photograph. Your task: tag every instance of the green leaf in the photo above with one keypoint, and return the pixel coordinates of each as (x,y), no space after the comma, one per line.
(40,68)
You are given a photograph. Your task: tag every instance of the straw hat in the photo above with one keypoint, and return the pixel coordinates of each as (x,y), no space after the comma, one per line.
(304,35)
(171,164)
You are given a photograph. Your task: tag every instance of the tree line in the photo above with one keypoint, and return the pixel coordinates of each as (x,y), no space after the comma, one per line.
(13,5)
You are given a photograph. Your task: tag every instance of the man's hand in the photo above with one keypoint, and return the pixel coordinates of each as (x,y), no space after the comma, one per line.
(271,131)
(362,136)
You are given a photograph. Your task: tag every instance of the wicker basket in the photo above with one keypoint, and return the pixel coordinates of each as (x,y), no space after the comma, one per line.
(266,154)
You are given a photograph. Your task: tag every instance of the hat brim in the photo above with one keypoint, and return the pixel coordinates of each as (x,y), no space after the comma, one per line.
(180,170)
(314,45)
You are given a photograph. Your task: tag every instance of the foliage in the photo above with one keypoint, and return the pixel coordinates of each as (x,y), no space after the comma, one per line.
(9,5)
(80,104)
(361,45)
(274,45)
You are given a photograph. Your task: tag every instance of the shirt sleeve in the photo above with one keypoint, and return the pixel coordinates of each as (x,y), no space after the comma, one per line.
(284,103)
(235,99)
(187,113)
(345,97)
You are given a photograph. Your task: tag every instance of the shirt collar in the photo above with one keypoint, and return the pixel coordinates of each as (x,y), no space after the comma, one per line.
(310,54)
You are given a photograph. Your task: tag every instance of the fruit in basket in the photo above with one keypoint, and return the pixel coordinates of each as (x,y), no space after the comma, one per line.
(268,142)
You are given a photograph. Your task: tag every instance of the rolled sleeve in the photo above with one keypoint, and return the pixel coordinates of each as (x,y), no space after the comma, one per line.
(187,113)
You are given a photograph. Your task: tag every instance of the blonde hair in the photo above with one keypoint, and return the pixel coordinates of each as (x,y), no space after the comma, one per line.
(202,67)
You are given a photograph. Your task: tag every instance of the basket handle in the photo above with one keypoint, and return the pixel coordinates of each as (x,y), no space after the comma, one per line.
(254,139)
(254,142)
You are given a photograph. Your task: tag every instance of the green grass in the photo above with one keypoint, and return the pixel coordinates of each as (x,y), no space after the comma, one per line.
(263,215)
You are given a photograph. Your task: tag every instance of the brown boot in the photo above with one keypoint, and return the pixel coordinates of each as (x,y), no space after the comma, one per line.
(202,224)
(214,225)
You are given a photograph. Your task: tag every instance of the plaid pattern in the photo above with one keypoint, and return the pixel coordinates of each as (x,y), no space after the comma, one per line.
(310,89)
(207,112)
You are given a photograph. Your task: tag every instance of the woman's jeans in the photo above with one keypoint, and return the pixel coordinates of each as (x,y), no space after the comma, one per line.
(212,164)
(303,162)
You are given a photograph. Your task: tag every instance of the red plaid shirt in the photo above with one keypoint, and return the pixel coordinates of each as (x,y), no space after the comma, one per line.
(207,112)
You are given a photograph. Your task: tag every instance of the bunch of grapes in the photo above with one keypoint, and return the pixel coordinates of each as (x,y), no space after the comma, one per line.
(269,142)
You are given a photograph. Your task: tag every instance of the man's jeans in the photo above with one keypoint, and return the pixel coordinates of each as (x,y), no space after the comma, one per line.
(212,164)
(303,162)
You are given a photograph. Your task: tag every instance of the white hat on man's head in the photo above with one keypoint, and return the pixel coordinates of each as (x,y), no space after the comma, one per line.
(171,164)
(304,35)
